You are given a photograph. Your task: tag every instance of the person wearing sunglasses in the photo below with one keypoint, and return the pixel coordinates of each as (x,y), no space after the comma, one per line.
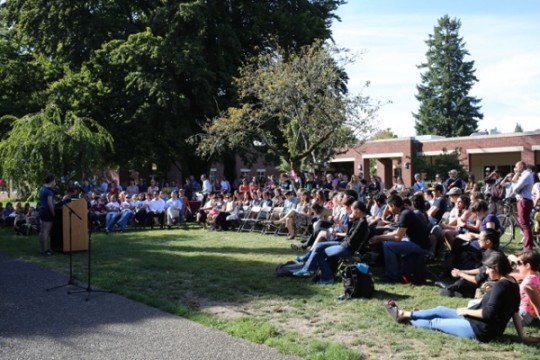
(526,265)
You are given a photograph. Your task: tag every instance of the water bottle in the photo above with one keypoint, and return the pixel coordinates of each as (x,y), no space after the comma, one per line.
(363,268)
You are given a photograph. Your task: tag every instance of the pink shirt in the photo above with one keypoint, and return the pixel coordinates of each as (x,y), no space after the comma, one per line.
(526,303)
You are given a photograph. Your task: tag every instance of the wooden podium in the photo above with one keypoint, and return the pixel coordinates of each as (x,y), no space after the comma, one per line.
(79,227)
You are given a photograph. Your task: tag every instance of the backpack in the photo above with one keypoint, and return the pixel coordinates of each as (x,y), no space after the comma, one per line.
(356,284)
(288,268)
(497,191)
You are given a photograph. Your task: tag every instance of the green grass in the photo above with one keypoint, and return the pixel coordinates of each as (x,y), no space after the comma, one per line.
(225,280)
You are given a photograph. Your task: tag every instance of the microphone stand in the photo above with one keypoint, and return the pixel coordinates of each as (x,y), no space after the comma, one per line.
(71,280)
(89,288)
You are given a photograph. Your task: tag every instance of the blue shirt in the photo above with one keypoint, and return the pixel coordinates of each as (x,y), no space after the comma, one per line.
(524,185)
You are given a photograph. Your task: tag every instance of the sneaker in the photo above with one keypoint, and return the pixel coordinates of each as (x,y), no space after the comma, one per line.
(302,273)
(297,247)
(300,258)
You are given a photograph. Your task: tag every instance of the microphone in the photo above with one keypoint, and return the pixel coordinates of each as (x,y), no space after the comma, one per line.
(79,187)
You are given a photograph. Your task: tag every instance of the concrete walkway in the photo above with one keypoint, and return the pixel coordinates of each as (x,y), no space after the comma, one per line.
(40,324)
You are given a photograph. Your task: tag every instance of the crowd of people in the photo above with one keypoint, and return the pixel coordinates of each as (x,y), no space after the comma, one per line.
(451,221)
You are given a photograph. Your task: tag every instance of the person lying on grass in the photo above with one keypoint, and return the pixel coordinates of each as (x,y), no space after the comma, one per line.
(486,320)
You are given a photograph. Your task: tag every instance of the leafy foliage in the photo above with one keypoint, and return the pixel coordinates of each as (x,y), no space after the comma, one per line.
(150,73)
(294,108)
(440,164)
(446,108)
(51,141)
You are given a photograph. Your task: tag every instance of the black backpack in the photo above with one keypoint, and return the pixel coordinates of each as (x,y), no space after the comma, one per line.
(288,268)
(356,284)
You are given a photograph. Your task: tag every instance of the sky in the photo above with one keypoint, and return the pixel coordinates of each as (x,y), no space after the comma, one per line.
(388,37)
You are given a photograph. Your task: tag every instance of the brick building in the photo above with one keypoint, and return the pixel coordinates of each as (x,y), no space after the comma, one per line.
(395,156)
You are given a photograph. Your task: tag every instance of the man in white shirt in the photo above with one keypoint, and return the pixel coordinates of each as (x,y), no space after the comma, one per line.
(156,210)
(175,207)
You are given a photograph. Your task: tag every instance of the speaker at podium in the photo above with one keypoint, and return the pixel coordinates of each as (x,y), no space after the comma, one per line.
(60,233)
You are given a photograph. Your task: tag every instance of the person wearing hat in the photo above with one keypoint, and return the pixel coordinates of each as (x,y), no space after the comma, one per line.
(484,321)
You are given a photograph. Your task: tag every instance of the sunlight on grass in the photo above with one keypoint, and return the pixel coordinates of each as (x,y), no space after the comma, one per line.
(225,280)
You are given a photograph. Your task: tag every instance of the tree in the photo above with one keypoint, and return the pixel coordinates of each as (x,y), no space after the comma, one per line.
(384,134)
(440,164)
(51,141)
(446,108)
(151,73)
(293,107)
(518,128)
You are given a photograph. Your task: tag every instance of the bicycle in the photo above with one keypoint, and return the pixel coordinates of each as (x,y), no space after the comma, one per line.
(508,220)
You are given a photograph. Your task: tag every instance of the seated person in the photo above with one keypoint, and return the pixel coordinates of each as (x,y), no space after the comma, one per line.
(377,210)
(394,244)
(156,211)
(470,279)
(336,231)
(297,216)
(438,207)
(461,217)
(140,207)
(113,213)
(326,252)
(202,213)
(19,221)
(468,242)
(486,320)
(126,210)
(98,211)
(527,264)
(175,209)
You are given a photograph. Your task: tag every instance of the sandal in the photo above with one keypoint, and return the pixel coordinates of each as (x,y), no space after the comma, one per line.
(393,310)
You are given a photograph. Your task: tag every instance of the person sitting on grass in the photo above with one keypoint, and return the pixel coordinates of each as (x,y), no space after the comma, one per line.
(326,253)
(527,264)
(469,280)
(486,320)
(468,242)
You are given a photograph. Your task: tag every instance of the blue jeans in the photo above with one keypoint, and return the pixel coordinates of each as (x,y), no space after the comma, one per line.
(443,319)
(393,250)
(126,214)
(111,218)
(332,252)
(318,255)
(318,258)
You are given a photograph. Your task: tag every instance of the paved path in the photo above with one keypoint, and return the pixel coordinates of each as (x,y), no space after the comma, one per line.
(40,324)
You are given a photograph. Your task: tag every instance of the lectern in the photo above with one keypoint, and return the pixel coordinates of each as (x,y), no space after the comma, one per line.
(60,234)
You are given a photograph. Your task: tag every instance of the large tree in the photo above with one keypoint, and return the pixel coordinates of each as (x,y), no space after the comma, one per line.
(151,73)
(294,108)
(446,108)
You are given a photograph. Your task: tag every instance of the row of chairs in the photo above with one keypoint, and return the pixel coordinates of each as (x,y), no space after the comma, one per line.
(263,219)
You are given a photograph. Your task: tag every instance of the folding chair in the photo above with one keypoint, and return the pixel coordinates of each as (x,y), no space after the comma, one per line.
(250,218)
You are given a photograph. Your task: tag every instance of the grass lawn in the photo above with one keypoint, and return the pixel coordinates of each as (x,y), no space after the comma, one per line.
(226,280)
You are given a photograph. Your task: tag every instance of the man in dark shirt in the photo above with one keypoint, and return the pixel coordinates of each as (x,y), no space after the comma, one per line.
(411,237)
(438,208)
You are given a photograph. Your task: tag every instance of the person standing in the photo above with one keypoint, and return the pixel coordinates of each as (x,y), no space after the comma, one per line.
(46,214)
(522,184)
